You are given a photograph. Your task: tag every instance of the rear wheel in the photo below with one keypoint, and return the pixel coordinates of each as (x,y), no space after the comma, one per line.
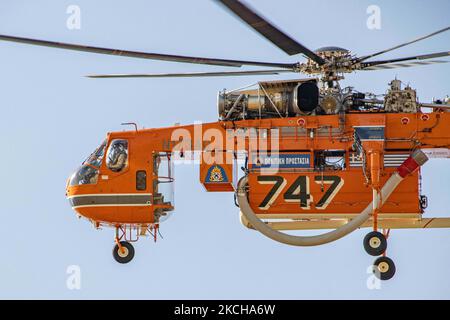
(124,254)
(384,268)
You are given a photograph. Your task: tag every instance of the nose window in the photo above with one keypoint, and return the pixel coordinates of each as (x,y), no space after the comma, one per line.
(84,175)
(88,172)
(117,155)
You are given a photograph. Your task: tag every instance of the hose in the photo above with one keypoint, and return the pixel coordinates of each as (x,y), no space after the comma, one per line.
(417,159)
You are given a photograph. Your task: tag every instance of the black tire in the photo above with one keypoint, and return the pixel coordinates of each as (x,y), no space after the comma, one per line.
(123,257)
(384,268)
(375,243)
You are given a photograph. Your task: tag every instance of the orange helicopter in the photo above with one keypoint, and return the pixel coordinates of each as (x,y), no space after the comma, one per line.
(315,155)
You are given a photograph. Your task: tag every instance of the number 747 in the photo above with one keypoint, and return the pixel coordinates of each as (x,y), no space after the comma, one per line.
(299,190)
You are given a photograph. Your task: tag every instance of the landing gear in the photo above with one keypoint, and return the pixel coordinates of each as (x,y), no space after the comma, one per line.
(384,268)
(375,243)
(123,252)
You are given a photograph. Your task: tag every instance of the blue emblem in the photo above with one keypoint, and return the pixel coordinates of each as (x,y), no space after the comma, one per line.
(216,174)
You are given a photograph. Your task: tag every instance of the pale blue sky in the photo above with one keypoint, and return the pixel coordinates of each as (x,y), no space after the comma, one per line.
(53,118)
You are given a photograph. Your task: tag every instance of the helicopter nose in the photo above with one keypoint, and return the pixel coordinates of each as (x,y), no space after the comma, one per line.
(70,195)
(75,199)
(72,189)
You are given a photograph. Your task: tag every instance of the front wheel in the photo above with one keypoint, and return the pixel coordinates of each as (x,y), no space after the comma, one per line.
(375,243)
(124,254)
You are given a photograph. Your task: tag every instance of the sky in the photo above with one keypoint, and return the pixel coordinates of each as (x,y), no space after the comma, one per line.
(53,117)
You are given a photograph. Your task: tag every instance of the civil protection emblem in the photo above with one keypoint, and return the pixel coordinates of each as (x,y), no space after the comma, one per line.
(216,174)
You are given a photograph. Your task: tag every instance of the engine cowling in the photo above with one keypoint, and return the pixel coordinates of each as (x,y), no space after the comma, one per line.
(270,99)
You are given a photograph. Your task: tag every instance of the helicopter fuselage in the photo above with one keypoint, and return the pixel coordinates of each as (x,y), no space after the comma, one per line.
(300,167)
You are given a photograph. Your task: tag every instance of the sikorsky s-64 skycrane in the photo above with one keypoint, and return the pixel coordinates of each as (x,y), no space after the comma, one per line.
(315,155)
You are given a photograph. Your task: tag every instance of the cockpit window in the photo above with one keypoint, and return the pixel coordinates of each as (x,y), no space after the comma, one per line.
(88,172)
(95,159)
(117,156)
(84,175)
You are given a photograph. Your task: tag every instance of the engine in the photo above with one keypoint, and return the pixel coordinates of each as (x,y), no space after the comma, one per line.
(276,99)
(291,98)
(270,100)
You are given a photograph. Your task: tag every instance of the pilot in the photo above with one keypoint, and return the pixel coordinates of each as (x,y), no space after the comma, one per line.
(118,156)
(88,175)
(92,176)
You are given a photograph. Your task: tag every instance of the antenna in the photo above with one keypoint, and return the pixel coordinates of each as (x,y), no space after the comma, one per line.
(130,124)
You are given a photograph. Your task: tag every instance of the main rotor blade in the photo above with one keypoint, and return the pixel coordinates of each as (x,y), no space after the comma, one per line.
(403,44)
(191,75)
(403,65)
(145,55)
(269,31)
(365,65)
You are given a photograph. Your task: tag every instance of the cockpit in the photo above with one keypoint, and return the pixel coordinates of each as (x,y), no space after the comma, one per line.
(89,170)
(116,161)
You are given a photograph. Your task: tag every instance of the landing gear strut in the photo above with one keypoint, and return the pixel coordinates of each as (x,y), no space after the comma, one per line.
(123,251)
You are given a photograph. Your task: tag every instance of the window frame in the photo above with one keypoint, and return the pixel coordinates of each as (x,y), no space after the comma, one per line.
(127,165)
